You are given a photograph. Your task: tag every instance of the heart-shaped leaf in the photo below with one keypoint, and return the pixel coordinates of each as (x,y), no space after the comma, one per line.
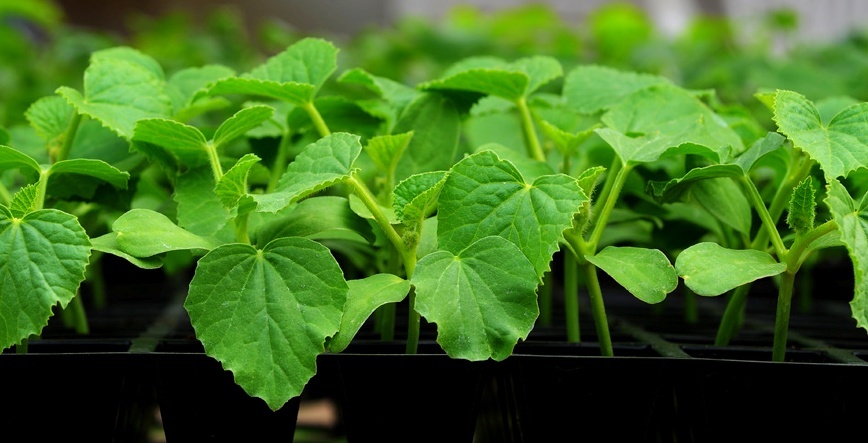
(482,299)
(265,314)
(486,196)
(710,269)
(591,88)
(44,255)
(852,219)
(320,165)
(839,148)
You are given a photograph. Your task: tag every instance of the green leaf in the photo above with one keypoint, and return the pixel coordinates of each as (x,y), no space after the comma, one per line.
(590,88)
(483,299)
(710,269)
(566,142)
(50,116)
(321,164)
(386,150)
(503,83)
(187,89)
(13,159)
(143,233)
(540,69)
(25,200)
(839,148)
(646,273)
(118,93)
(393,92)
(282,302)
(173,143)
(436,126)
(676,189)
(803,204)
(363,298)
(852,219)
(416,197)
(529,168)
(319,218)
(771,142)
(108,243)
(199,210)
(44,256)
(233,185)
(485,196)
(295,75)
(241,122)
(129,55)
(92,168)
(725,200)
(665,119)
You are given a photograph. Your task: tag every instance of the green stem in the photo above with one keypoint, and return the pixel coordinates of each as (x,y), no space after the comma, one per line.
(531,140)
(571,297)
(764,215)
(317,119)
(603,195)
(241,224)
(280,161)
(599,309)
(797,254)
(782,316)
(602,217)
(691,307)
(414,322)
(732,315)
(214,161)
(77,316)
(97,280)
(5,195)
(68,139)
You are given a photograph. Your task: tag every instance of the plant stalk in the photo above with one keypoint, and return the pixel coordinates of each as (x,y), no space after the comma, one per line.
(782,316)
(531,140)
(571,297)
(599,309)
(280,161)
(317,119)
(68,139)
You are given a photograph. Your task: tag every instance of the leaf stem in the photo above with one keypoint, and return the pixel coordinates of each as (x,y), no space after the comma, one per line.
(599,309)
(531,140)
(280,161)
(571,297)
(732,315)
(68,139)
(316,118)
(602,217)
(770,225)
(782,316)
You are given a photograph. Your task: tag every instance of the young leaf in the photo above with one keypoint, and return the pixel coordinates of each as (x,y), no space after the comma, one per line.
(589,89)
(666,119)
(416,197)
(486,196)
(108,243)
(852,219)
(436,126)
(233,185)
(50,116)
(25,200)
(295,75)
(363,298)
(44,255)
(118,93)
(646,273)
(839,148)
(483,299)
(802,211)
(386,150)
(710,269)
(143,233)
(318,218)
(241,122)
(282,301)
(172,142)
(320,165)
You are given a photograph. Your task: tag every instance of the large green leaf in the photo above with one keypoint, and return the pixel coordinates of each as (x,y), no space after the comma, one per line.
(173,143)
(486,196)
(436,125)
(839,147)
(118,93)
(265,314)
(710,269)
(483,299)
(646,273)
(590,88)
(363,298)
(295,75)
(665,119)
(44,257)
(852,219)
(321,164)
(318,218)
